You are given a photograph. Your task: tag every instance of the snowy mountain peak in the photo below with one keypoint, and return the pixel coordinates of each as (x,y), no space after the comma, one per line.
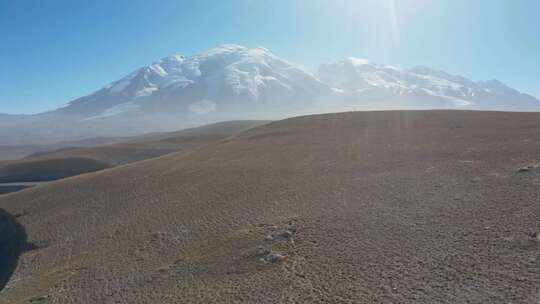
(226,49)
(229,54)
(180,69)
(223,79)
(358,61)
(233,78)
(235,82)
(419,87)
(173,58)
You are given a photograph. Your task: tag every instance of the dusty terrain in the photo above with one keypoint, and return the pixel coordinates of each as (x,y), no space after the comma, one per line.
(17,152)
(66,162)
(373,207)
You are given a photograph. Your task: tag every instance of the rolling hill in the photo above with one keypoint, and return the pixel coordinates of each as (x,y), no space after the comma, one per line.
(66,162)
(17,152)
(359,207)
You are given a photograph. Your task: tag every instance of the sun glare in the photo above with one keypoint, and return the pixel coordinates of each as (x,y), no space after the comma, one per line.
(375,24)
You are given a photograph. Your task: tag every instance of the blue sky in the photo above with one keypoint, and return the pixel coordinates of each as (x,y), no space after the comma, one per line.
(57,50)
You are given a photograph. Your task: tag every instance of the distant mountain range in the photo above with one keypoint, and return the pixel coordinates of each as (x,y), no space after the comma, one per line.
(234,82)
(373,85)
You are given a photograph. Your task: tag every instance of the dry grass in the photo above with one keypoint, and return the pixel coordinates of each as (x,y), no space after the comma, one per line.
(387,207)
(67,162)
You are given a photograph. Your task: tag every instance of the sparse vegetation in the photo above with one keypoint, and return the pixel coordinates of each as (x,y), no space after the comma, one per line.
(67,162)
(364,207)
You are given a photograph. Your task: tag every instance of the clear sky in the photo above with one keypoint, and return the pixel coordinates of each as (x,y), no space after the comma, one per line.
(57,50)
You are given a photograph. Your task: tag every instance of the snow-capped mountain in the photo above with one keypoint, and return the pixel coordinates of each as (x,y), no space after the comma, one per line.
(374,85)
(227,79)
(235,82)
(232,80)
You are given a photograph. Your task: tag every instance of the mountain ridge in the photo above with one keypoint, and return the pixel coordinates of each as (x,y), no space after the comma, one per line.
(146,80)
(440,89)
(233,82)
(201,84)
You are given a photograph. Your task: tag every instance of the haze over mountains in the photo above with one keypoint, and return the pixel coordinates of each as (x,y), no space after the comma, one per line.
(52,163)
(371,85)
(235,82)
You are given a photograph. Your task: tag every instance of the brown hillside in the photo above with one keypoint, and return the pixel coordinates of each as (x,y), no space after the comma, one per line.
(66,162)
(368,207)
(48,169)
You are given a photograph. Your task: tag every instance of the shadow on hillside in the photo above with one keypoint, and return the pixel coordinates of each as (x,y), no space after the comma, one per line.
(13,242)
(10,189)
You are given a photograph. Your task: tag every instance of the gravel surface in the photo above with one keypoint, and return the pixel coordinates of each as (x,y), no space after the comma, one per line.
(364,207)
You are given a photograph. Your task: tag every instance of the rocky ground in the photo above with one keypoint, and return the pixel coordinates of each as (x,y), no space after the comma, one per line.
(365,207)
